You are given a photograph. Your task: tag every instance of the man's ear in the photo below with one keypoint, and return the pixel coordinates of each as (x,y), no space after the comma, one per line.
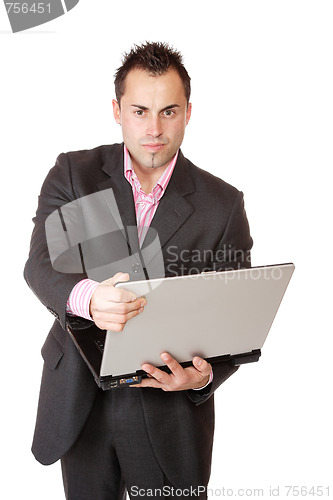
(116,111)
(188,112)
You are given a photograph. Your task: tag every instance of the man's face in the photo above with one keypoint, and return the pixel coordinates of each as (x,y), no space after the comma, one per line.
(153,114)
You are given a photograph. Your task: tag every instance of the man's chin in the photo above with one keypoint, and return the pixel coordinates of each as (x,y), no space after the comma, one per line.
(154,161)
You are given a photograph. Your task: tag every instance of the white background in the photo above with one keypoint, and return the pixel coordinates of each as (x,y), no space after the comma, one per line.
(262,120)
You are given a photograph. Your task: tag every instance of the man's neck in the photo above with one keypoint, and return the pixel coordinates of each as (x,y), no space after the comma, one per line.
(148,177)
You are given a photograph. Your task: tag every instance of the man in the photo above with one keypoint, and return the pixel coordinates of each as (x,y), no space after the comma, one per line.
(154,439)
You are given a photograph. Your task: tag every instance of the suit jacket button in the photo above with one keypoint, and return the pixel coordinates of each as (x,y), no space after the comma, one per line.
(136,268)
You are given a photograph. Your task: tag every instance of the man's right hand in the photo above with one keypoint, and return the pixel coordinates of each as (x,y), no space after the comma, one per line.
(112,307)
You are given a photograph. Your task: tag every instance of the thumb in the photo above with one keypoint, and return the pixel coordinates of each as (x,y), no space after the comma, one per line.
(201,365)
(117,278)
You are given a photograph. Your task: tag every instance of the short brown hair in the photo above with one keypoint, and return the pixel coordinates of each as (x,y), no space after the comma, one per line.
(156,58)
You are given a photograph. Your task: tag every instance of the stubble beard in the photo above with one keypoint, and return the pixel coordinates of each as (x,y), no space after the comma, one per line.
(155,163)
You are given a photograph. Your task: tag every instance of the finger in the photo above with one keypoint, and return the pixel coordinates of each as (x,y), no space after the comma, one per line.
(111,307)
(117,318)
(108,325)
(174,366)
(148,382)
(202,365)
(159,375)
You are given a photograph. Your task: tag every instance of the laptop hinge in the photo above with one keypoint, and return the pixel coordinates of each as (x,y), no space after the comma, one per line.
(247,357)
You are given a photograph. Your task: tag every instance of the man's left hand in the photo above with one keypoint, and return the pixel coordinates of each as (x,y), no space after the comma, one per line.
(180,379)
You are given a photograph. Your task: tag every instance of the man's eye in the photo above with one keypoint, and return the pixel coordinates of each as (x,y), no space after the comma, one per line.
(169,112)
(139,112)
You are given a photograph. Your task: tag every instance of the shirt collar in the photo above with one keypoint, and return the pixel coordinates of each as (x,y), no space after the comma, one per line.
(160,185)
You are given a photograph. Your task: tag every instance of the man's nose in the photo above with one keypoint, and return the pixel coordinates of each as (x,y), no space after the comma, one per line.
(154,128)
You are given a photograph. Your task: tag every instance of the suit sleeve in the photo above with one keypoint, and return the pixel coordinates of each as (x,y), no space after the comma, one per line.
(235,249)
(52,287)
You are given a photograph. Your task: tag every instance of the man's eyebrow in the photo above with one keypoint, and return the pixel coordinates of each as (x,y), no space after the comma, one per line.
(144,108)
(170,107)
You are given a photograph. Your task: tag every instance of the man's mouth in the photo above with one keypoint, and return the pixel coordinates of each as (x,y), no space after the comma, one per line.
(153,147)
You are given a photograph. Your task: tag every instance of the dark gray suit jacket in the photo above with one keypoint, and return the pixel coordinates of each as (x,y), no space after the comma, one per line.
(198,213)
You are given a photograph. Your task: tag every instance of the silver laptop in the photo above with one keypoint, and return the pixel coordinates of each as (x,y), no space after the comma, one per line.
(220,316)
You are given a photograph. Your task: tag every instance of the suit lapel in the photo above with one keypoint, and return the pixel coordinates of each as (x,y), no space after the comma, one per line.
(174,209)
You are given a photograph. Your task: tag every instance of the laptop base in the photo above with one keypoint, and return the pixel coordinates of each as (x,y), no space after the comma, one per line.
(112,382)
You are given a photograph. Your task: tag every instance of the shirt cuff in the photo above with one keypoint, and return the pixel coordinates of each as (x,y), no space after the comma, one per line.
(209,381)
(79,299)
